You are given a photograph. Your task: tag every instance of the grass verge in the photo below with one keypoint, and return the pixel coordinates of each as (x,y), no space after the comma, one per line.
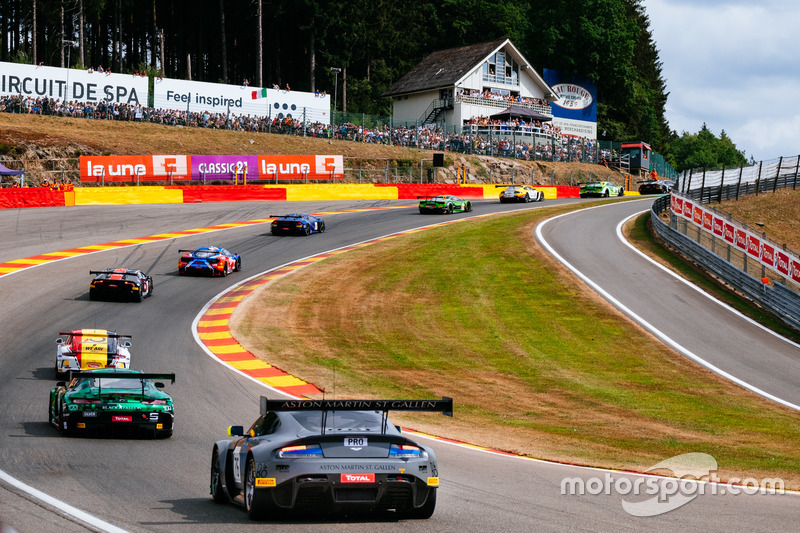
(536,365)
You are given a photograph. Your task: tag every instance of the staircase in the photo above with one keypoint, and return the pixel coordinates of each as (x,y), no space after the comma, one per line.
(435,111)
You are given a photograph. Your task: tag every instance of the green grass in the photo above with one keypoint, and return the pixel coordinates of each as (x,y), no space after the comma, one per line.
(477,312)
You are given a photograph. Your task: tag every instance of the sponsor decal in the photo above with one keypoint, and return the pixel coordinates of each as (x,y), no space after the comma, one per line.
(754,246)
(300,166)
(697,216)
(782,262)
(121,418)
(768,254)
(688,208)
(433,481)
(718,226)
(795,270)
(225,167)
(707,220)
(741,239)
(90,414)
(730,233)
(80,425)
(358,478)
(265,482)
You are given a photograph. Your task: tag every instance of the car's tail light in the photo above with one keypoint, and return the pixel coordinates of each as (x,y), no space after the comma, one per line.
(154,402)
(303,450)
(213,260)
(406,450)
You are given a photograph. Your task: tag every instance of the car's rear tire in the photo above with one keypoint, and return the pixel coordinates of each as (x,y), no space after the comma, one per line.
(605,193)
(139,296)
(527,198)
(258,503)
(238,265)
(306,231)
(426,511)
(92,295)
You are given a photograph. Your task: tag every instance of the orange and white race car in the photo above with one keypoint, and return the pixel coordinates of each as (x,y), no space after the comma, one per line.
(86,349)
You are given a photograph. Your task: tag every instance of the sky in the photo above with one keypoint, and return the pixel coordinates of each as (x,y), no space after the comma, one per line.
(735,66)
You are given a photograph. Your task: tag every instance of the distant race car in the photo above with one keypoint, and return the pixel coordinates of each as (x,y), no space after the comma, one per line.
(656,186)
(603,189)
(297,223)
(328,455)
(443,203)
(520,193)
(84,349)
(112,402)
(209,261)
(124,283)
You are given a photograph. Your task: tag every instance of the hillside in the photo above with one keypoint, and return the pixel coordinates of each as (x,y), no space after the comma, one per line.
(45,143)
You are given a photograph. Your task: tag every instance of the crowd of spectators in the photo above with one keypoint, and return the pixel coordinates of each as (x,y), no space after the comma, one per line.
(480,135)
(509,99)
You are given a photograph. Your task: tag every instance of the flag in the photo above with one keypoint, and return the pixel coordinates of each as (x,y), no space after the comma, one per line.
(259,94)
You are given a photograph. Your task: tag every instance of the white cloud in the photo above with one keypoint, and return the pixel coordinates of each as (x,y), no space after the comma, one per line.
(735,66)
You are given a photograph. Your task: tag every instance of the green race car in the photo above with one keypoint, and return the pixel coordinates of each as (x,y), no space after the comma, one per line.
(603,189)
(112,402)
(443,203)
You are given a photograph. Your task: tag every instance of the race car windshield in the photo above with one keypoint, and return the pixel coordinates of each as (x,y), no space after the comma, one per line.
(340,421)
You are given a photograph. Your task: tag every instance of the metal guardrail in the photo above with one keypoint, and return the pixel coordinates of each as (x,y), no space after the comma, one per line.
(777,298)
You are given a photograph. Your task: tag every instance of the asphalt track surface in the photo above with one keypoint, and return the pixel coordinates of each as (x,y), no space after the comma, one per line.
(162,485)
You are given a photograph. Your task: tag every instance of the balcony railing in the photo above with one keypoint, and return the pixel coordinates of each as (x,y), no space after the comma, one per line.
(501,104)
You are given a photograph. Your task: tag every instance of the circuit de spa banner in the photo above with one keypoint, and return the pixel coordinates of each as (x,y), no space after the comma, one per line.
(75,85)
(205,168)
(753,245)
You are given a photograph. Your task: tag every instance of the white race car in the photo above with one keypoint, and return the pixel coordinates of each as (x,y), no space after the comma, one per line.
(520,193)
(86,349)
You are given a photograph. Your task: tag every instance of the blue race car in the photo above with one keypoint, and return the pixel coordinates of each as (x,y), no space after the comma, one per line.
(297,223)
(209,261)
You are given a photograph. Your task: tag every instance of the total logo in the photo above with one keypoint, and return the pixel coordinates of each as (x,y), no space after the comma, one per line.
(357,478)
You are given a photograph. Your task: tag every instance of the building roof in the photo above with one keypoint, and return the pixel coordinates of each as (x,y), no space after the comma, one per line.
(443,68)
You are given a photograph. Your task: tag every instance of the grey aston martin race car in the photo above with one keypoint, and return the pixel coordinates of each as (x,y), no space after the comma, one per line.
(327,455)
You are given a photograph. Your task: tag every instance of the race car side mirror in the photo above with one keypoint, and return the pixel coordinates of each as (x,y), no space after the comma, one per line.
(59,341)
(236,431)
(399,429)
(127,344)
(159,385)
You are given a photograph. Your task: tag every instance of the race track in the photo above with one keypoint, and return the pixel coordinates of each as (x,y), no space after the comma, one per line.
(145,485)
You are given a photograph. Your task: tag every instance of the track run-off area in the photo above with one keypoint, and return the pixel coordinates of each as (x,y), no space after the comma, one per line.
(53,483)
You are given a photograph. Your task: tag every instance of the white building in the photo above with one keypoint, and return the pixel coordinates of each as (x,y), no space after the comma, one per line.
(452,86)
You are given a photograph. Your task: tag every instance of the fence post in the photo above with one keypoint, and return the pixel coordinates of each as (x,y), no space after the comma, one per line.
(758,180)
(796,168)
(689,183)
(702,185)
(533,180)
(103,177)
(137,176)
(739,183)
(721,184)
(386,173)
(777,175)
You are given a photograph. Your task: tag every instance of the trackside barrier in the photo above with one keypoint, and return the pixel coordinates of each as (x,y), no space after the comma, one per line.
(31,197)
(176,194)
(127,195)
(779,300)
(229,193)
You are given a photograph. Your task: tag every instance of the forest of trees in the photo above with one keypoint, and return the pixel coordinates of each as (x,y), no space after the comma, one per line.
(373,42)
